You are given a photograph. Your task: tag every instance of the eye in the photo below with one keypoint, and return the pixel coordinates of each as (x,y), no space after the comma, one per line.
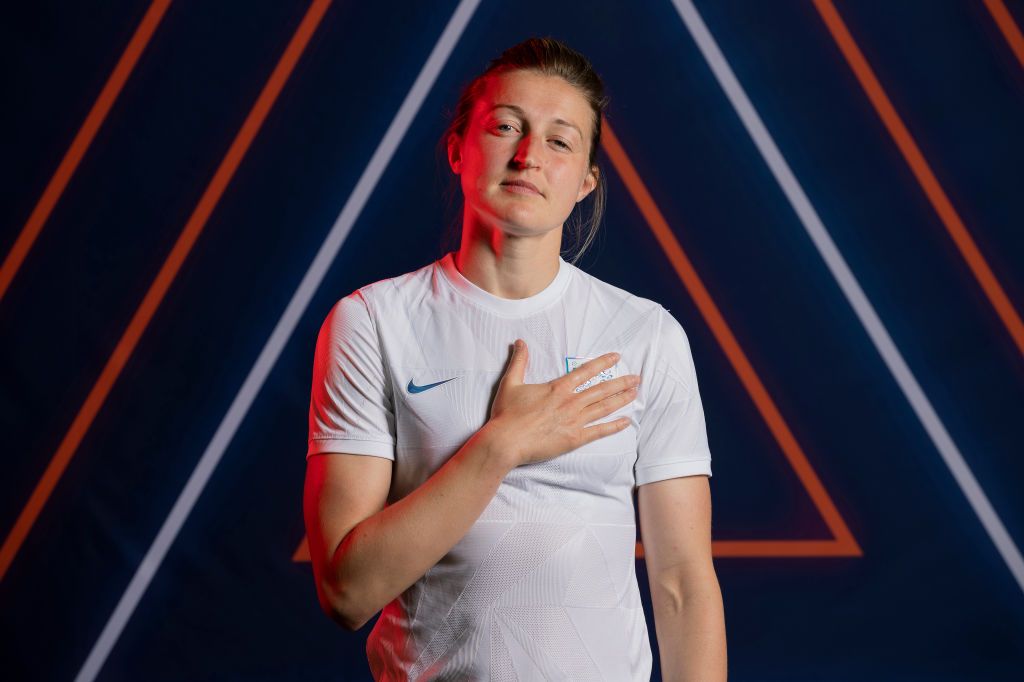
(561,143)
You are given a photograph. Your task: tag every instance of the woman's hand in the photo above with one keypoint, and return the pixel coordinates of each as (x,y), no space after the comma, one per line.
(536,422)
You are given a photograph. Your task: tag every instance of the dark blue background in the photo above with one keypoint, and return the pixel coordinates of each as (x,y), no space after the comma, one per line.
(929,599)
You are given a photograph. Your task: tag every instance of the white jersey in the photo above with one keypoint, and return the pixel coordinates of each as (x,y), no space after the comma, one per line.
(543,585)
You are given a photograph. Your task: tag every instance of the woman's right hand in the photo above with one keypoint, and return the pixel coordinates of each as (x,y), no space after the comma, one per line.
(536,422)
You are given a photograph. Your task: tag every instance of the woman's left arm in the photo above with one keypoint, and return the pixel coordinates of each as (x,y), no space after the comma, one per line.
(675,525)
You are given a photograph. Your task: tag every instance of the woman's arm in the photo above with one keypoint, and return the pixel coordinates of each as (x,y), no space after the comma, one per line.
(675,524)
(364,553)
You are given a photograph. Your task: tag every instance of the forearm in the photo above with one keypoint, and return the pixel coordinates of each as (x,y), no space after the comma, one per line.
(691,633)
(388,551)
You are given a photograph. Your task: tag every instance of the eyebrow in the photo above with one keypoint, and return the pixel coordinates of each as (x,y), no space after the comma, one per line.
(519,110)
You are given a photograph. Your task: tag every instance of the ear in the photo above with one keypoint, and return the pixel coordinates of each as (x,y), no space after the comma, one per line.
(589,183)
(455,153)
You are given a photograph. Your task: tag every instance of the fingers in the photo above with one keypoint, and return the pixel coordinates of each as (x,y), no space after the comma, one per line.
(588,369)
(606,388)
(516,371)
(600,408)
(592,433)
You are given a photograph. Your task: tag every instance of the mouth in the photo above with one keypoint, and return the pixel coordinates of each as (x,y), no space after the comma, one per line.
(520,187)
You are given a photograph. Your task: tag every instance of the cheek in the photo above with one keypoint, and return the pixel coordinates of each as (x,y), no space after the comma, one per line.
(570,179)
(475,166)
(483,158)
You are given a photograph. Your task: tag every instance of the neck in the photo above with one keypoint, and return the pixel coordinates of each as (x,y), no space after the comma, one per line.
(506,265)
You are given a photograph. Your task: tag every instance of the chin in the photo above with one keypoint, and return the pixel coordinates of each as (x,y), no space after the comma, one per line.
(527,228)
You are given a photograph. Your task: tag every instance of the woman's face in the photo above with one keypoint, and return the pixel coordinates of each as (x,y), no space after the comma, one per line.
(527,127)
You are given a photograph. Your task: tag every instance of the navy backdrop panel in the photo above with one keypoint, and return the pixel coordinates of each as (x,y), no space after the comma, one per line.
(937,592)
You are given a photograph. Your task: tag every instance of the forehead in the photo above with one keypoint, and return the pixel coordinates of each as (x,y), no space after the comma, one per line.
(543,98)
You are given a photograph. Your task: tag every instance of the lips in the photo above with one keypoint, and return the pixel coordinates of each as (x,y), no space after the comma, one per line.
(522,183)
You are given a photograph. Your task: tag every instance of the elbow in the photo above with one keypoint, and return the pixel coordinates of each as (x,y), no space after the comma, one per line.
(348,621)
(668,596)
(340,609)
(672,590)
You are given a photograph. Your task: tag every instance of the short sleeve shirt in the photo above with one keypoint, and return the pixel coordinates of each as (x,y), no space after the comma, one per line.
(543,585)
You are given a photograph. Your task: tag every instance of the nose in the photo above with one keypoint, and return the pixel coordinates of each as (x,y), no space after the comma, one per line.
(527,154)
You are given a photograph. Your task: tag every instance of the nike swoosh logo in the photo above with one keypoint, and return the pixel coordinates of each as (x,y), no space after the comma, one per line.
(413,388)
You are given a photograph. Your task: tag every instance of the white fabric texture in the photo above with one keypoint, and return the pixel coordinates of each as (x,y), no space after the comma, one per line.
(543,585)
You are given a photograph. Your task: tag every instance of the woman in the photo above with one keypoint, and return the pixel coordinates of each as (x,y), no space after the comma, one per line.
(476,500)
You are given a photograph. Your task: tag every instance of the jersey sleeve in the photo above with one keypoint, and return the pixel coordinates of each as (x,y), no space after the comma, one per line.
(351,408)
(672,437)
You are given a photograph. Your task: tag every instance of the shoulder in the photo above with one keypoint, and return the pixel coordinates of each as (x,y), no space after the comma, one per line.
(384,293)
(667,344)
(662,322)
(616,299)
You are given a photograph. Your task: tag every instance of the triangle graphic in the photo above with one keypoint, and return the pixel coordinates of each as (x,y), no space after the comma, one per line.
(591,584)
(502,666)
(525,668)
(553,640)
(603,625)
(842,542)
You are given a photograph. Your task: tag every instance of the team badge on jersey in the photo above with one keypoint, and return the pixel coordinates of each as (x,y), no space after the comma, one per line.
(572,363)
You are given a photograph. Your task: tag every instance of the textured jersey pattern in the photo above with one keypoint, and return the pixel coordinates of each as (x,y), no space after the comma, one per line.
(543,585)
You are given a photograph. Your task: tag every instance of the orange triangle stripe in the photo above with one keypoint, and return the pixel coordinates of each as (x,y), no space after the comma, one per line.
(842,543)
